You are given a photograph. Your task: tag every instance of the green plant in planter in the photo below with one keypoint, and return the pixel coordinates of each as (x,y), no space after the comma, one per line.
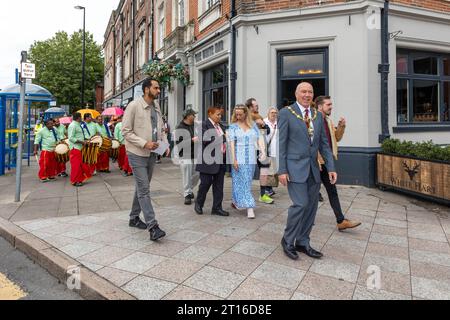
(166,72)
(425,150)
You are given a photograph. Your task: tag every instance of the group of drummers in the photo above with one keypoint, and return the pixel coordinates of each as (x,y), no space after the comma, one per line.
(88,144)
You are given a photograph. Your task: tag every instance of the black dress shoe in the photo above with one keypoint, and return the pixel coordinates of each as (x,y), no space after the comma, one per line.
(187,201)
(137,223)
(220,212)
(192,196)
(320,197)
(289,250)
(198,209)
(156,233)
(310,252)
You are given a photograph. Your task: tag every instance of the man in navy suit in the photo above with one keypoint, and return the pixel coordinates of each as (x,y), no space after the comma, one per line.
(211,162)
(301,135)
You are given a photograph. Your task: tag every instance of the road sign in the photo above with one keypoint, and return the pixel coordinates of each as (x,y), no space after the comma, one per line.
(28,70)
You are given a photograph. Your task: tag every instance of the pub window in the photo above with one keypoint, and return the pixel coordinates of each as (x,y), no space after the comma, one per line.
(446,64)
(402,100)
(310,65)
(423,87)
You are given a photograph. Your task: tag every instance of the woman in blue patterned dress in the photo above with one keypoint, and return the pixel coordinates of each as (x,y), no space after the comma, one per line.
(243,138)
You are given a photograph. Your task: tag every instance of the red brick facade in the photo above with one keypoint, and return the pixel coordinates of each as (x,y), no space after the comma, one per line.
(258,6)
(119,36)
(437,5)
(120,27)
(225,10)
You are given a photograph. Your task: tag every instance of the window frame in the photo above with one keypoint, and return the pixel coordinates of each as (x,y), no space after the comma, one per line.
(411,77)
(325,75)
(208,87)
(181,8)
(161,25)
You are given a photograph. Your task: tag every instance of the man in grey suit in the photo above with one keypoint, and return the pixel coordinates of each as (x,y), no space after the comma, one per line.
(301,135)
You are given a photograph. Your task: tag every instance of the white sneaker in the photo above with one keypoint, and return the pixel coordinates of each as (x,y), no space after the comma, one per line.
(250,213)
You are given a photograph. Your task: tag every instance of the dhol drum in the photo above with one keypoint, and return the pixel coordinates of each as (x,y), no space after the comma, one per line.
(106,145)
(62,152)
(91,149)
(114,151)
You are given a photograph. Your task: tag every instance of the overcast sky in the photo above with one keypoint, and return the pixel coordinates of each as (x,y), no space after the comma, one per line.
(24,21)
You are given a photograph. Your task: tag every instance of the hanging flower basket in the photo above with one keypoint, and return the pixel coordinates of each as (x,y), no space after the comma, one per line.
(167,71)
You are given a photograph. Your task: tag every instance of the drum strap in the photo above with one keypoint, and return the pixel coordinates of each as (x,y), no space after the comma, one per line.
(85,127)
(108,132)
(54,134)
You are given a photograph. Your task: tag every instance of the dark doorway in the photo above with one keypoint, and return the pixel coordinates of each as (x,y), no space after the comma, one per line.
(215,89)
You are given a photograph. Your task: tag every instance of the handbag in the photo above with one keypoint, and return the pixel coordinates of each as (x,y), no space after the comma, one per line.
(269,181)
(267,163)
(261,164)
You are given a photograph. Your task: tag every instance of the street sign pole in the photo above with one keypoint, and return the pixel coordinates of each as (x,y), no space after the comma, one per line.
(20,132)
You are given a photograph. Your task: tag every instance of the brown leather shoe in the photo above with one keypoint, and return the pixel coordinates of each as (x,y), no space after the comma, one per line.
(348,224)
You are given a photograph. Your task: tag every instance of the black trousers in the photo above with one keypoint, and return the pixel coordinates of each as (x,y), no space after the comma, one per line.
(332,194)
(217,182)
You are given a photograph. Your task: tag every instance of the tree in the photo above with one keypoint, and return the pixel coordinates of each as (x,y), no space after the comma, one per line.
(59,67)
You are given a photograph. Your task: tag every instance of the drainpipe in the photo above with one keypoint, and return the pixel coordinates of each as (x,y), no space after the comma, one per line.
(121,55)
(152,26)
(114,60)
(383,69)
(233,73)
(133,3)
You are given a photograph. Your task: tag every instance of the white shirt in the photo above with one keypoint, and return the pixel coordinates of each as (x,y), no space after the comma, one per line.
(217,126)
(273,137)
(303,109)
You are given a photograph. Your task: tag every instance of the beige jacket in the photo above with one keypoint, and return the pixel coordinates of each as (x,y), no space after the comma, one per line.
(137,127)
(336,135)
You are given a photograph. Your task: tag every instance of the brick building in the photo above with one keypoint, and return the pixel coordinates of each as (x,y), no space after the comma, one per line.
(127,47)
(264,48)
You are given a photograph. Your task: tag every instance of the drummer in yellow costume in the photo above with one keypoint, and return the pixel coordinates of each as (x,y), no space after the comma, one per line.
(62,134)
(103,157)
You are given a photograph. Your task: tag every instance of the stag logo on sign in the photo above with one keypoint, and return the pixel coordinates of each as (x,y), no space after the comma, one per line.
(411,171)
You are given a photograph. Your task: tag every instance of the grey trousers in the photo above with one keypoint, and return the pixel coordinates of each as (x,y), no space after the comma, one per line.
(189,175)
(143,172)
(302,213)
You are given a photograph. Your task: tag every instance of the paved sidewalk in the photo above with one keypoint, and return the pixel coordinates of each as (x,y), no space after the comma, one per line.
(210,257)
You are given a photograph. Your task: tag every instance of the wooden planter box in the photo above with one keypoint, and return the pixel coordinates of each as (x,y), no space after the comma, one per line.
(427,179)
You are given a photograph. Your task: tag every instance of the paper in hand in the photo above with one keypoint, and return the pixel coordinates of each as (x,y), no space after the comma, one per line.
(163,146)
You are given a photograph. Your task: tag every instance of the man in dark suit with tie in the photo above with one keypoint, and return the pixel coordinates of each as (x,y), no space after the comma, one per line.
(301,135)
(211,162)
